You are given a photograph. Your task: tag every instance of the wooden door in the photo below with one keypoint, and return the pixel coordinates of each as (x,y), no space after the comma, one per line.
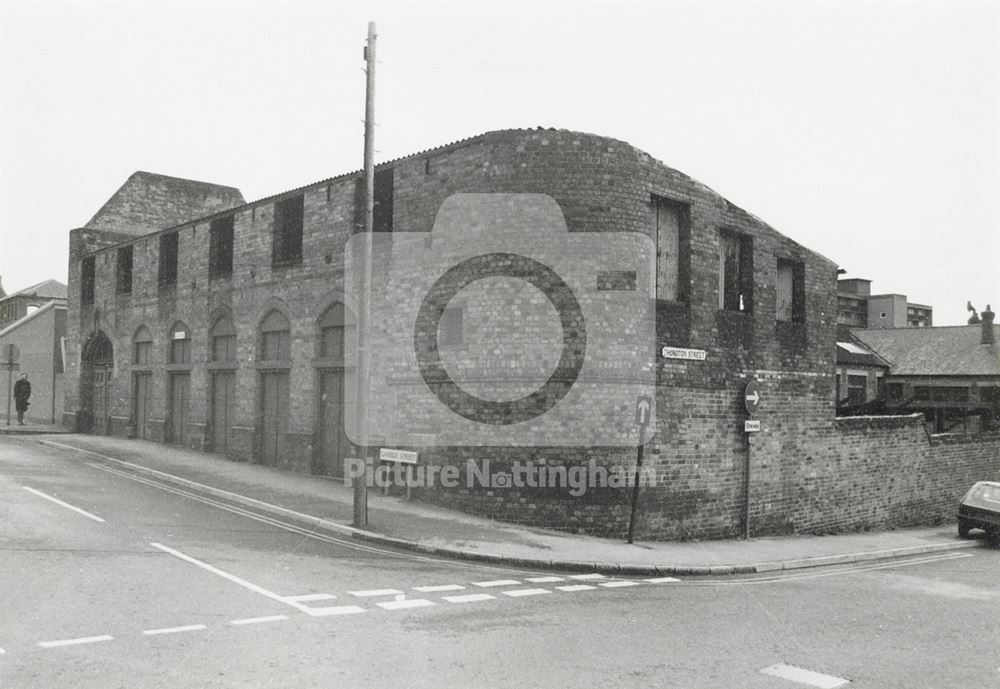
(177,402)
(100,398)
(333,445)
(142,400)
(273,416)
(223,402)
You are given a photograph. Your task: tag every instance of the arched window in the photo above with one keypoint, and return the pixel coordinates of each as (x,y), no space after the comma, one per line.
(142,347)
(180,344)
(223,341)
(275,337)
(331,333)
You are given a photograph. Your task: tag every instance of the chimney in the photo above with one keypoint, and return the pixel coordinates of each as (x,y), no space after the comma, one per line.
(987,317)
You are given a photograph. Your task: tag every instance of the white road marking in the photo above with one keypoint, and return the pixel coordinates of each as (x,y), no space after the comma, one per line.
(74,642)
(231,577)
(470,598)
(406,603)
(576,587)
(259,620)
(496,582)
(305,598)
(517,593)
(544,580)
(334,610)
(64,504)
(435,589)
(618,584)
(586,576)
(174,630)
(662,580)
(375,592)
(797,674)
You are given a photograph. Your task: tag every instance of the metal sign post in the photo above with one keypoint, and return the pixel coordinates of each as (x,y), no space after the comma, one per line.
(643,410)
(751,400)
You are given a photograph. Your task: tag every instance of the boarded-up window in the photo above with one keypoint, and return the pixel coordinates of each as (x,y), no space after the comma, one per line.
(223,341)
(87,280)
(735,272)
(180,344)
(220,248)
(142,347)
(275,338)
(791,292)
(286,238)
(123,271)
(382,211)
(168,260)
(670,225)
(331,334)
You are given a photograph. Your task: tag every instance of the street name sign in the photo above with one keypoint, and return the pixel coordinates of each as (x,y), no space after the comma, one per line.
(751,426)
(402,456)
(682,353)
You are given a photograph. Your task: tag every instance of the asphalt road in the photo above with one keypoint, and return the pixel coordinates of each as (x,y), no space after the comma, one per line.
(125,583)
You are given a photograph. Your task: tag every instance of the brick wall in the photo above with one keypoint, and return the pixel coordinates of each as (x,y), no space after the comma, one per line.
(801,460)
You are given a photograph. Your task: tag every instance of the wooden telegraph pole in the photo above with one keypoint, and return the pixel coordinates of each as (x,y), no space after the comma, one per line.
(364,360)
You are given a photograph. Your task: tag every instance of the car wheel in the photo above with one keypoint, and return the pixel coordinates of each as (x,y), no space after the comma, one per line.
(963,530)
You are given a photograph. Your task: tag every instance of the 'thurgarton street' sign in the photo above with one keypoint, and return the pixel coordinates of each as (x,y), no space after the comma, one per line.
(681,353)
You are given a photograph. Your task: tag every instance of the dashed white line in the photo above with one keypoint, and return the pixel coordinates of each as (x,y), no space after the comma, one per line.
(405,603)
(435,589)
(586,576)
(307,597)
(174,630)
(618,584)
(259,620)
(375,592)
(334,610)
(75,642)
(496,582)
(517,593)
(577,587)
(470,598)
(64,504)
(662,580)
(797,674)
(544,580)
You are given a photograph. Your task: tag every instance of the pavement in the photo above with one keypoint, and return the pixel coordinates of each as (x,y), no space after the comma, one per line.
(326,505)
(32,429)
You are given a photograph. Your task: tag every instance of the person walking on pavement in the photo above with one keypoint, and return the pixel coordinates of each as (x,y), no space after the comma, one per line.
(22,392)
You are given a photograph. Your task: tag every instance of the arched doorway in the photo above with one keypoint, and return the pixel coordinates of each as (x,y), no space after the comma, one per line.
(96,367)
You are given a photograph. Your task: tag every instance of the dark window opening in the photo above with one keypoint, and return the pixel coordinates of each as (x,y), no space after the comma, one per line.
(87,280)
(671,232)
(791,292)
(220,248)
(143,348)
(382,212)
(736,272)
(895,391)
(856,389)
(331,334)
(451,329)
(286,238)
(168,260)
(123,271)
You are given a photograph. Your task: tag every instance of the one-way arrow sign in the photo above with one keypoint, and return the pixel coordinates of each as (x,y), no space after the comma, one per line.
(751,398)
(643,407)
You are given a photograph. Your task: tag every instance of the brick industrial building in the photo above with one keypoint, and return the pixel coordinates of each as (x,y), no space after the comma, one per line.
(200,320)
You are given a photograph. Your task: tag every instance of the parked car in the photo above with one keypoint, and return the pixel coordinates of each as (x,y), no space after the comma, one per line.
(980,509)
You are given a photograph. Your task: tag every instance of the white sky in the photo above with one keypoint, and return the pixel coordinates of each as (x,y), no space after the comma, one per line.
(867,131)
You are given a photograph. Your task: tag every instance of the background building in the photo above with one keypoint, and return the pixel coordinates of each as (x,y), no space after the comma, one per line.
(33,320)
(857,307)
